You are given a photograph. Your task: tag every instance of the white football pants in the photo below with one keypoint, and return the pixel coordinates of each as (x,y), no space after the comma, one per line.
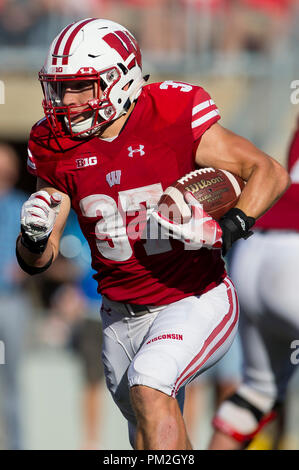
(169,347)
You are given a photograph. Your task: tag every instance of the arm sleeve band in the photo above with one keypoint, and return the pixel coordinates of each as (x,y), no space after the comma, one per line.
(37,247)
(32,269)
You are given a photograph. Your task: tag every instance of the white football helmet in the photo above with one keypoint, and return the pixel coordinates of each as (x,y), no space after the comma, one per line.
(93,50)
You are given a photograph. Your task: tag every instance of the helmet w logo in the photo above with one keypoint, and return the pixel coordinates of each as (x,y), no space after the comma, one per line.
(125,44)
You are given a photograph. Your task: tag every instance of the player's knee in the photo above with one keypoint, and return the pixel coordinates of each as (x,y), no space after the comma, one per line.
(152,406)
(144,398)
(244,413)
(154,369)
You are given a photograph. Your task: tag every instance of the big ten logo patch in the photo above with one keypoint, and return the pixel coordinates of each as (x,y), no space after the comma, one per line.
(86,161)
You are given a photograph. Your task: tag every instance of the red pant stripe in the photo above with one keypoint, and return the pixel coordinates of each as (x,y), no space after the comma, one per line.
(234,309)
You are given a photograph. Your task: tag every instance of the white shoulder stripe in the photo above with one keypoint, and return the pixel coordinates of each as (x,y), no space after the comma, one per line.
(30,154)
(202,106)
(31,164)
(40,121)
(205,118)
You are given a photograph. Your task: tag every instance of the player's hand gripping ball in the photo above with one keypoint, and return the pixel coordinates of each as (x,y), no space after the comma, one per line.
(190,207)
(200,230)
(216,190)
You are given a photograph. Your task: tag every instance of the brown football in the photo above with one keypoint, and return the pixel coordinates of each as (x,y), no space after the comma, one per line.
(217,190)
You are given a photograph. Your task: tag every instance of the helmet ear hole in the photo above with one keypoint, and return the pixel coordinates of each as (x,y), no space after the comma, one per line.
(127,85)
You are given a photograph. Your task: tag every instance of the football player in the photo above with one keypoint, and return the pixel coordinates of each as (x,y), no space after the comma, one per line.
(109,146)
(264,271)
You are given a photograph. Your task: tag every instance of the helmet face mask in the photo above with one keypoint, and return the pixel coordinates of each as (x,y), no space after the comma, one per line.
(97,111)
(114,86)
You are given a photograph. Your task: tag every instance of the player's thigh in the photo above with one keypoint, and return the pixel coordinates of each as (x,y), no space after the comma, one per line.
(122,337)
(185,339)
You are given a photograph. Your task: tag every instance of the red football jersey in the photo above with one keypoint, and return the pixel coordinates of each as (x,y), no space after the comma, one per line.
(113,186)
(284,215)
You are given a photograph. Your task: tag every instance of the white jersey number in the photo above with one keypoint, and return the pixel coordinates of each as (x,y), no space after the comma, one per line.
(183,86)
(111,234)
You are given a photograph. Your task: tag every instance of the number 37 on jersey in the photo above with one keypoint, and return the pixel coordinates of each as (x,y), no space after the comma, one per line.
(112,231)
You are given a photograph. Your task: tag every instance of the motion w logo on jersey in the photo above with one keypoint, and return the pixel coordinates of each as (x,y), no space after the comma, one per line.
(113,178)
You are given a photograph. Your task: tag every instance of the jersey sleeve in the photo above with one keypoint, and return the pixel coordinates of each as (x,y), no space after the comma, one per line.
(36,152)
(188,105)
(42,161)
(204,113)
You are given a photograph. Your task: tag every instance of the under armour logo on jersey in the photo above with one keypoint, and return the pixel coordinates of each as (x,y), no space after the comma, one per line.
(138,150)
(113,178)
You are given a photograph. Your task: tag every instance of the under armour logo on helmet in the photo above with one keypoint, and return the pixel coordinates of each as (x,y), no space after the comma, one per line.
(139,150)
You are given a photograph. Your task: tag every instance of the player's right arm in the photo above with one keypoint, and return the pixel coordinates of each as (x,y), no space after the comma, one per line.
(43,219)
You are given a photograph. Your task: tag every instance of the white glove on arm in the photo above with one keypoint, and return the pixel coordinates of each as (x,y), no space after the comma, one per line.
(37,220)
(201,230)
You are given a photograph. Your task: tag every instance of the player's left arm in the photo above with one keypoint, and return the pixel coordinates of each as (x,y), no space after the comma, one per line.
(266,179)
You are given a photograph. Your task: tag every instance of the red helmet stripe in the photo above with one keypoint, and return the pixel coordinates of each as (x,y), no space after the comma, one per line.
(119,41)
(132,45)
(71,38)
(113,41)
(59,40)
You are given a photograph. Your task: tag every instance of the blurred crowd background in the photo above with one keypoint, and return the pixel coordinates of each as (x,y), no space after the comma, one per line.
(245,53)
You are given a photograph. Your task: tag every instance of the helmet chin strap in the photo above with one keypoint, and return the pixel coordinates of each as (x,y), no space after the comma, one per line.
(81,126)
